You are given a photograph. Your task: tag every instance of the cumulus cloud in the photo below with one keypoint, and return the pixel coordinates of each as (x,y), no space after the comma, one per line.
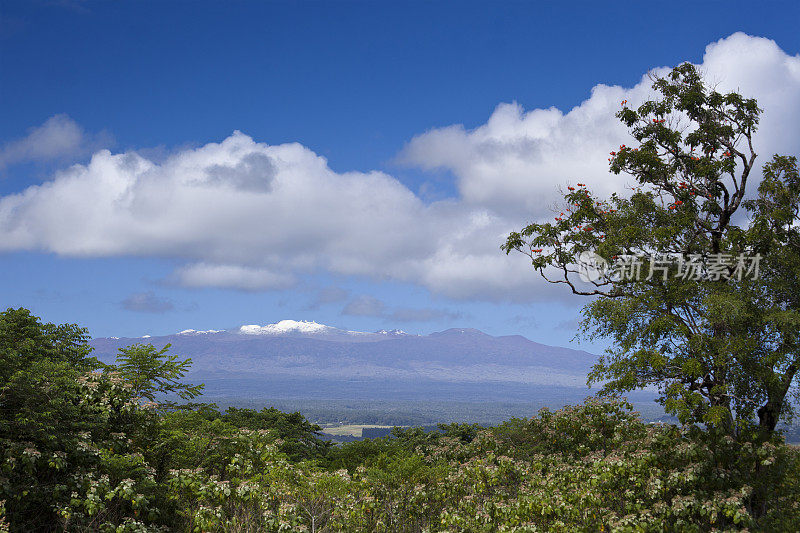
(58,138)
(514,162)
(246,215)
(146,302)
(233,277)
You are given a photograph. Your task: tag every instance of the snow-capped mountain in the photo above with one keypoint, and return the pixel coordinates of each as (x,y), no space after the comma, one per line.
(391,332)
(195,332)
(297,328)
(285,326)
(308,327)
(314,356)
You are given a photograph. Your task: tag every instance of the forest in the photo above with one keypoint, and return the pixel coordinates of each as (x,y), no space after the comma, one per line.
(81,451)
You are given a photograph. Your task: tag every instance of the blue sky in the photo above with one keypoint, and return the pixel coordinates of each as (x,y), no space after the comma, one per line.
(386,213)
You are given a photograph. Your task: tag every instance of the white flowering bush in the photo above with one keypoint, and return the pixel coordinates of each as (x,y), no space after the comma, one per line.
(594,467)
(80,452)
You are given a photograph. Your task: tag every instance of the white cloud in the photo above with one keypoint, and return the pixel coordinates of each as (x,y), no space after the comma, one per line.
(514,163)
(246,215)
(232,277)
(250,216)
(757,67)
(59,137)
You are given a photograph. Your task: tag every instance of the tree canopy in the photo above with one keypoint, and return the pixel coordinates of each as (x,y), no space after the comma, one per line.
(151,372)
(694,282)
(79,451)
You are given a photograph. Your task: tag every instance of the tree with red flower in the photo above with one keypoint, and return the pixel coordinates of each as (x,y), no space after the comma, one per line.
(721,351)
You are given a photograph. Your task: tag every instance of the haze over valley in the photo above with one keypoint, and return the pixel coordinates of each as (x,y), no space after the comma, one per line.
(307,366)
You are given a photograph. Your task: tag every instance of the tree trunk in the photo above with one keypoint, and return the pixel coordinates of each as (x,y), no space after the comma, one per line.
(770,412)
(768,415)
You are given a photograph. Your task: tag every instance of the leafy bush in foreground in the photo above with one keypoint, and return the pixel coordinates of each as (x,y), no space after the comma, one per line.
(80,452)
(594,467)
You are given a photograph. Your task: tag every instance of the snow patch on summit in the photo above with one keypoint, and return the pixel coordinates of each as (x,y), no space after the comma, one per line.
(391,332)
(195,332)
(285,326)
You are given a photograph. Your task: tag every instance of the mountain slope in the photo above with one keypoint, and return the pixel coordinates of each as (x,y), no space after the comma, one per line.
(307,350)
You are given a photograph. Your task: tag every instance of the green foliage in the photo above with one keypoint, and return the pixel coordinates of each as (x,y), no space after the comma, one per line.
(205,438)
(152,371)
(594,467)
(64,450)
(300,439)
(79,452)
(25,340)
(720,350)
